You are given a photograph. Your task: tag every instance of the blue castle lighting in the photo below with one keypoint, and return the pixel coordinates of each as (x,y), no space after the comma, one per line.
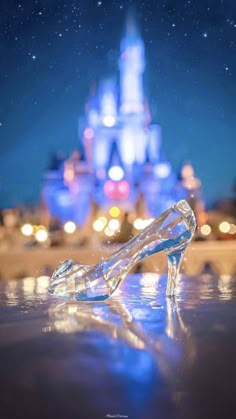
(121,161)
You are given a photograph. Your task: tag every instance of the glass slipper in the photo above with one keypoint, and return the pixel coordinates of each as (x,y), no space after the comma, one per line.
(171,232)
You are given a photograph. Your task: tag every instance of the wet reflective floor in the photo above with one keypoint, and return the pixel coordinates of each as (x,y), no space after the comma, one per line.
(138,355)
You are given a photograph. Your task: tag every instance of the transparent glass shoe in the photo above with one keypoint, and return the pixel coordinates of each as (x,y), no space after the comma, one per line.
(170,232)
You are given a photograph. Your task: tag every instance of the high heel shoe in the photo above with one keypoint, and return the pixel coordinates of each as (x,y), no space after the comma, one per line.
(172,232)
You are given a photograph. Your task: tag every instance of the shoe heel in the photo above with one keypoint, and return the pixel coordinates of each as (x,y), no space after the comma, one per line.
(174,258)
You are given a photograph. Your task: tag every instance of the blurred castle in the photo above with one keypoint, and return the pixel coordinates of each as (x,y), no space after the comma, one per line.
(120,161)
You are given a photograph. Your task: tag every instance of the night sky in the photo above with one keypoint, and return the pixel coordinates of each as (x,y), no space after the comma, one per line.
(51,51)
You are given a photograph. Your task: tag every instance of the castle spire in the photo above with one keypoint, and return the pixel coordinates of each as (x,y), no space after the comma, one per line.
(131,28)
(132,63)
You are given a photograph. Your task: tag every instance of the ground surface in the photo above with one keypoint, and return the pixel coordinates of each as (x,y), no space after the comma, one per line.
(138,355)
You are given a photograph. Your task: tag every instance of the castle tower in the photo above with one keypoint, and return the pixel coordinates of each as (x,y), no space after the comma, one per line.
(108,104)
(132,64)
(121,146)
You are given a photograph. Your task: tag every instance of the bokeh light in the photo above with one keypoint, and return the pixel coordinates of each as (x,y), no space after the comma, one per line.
(109,232)
(205,230)
(114,212)
(114,224)
(98,225)
(138,224)
(116,173)
(109,120)
(162,170)
(69,227)
(224,227)
(232,229)
(27,229)
(41,234)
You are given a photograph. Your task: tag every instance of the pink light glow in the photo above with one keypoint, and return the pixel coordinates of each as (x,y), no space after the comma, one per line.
(88,133)
(116,190)
(124,189)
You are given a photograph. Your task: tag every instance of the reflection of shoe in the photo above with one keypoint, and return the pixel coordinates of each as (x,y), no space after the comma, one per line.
(172,231)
